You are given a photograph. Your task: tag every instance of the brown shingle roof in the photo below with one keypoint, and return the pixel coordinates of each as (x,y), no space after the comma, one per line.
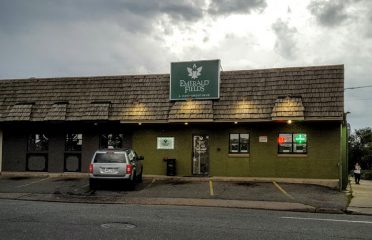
(191,110)
(288,108)
(95,111)
(249,95)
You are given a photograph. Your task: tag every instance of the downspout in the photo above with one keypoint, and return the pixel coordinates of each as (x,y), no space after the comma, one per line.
(341,158)
(344,153)
(1,150)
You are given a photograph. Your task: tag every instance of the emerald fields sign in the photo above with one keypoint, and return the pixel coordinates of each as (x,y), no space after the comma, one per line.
(196,79)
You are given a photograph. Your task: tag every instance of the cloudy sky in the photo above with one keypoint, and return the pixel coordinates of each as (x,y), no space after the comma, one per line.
(93,37)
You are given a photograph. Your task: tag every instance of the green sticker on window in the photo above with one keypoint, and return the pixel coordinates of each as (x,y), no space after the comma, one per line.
(300,138)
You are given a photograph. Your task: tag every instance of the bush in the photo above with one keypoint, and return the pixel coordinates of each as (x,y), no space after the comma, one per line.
(366,174)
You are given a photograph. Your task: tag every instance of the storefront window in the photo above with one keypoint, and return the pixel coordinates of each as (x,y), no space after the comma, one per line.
(239,143)
(292,143)
(73,142)
(111,141)
(37,143)
(299,143)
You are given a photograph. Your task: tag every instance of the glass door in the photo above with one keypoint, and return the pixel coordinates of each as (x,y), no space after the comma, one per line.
(200,156)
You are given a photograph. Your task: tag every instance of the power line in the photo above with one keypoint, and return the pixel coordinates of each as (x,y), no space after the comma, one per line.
(358,87)
(365,99)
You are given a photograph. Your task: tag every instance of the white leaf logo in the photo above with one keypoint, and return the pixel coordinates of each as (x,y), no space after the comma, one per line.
(165,142)
(194,72)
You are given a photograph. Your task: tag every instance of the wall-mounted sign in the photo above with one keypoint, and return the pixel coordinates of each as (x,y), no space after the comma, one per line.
(196,79)
(262,139)
(165,143)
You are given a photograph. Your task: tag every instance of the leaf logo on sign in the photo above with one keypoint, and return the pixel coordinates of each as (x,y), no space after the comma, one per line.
(165,142)
(194,72)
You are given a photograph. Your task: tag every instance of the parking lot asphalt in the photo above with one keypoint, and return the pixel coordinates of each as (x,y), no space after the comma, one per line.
(263,195)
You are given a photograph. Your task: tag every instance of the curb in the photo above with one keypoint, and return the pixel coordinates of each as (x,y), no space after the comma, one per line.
(240,204)
(330,210)
(359,211)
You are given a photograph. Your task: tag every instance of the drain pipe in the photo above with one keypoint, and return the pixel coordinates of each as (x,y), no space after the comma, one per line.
(1,150)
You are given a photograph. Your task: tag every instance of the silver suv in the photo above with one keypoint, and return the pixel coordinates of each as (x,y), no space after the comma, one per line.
(115,164)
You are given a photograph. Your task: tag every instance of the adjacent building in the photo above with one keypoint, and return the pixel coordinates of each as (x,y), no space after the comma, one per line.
(279,123)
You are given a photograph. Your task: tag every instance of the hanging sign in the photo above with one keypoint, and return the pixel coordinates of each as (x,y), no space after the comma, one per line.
(195,80)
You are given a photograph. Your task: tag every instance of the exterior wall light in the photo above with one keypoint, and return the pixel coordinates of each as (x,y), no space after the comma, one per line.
(139,123)
(186,123)
(289,121)
(235,122)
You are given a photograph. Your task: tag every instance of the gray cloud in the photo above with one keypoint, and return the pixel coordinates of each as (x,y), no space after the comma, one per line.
(368,32)
(285,43)
(136,16)
(71,51)
(224,7)
(133,16)
(330,13)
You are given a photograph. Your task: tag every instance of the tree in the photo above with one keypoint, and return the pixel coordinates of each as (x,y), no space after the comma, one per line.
(360,148)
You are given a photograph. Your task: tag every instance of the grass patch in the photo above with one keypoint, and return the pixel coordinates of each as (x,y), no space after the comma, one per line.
(366,174)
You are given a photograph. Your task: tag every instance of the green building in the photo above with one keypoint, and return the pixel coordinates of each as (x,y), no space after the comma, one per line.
(269,123)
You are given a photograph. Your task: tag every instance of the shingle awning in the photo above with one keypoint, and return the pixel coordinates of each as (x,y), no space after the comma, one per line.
(288,108)
(20,112)
(57,112)
(191,110)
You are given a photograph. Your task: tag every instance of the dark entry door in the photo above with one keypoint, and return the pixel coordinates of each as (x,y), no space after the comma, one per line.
(200,156)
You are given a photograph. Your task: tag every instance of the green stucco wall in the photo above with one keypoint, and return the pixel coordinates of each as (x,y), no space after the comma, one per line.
(344,158)
(321,160)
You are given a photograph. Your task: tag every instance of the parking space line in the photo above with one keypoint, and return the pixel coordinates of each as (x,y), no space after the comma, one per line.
(282,190)
(28,184)
(211,190)
(152,182)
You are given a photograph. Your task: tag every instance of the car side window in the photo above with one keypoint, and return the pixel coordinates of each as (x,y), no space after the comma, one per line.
(131,156)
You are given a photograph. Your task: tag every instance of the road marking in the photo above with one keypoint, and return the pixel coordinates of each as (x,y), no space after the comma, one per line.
(152,182)
(28,184)
(282,190)
(211,191)
(326,219)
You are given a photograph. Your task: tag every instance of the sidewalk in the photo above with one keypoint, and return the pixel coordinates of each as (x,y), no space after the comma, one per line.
(361,202)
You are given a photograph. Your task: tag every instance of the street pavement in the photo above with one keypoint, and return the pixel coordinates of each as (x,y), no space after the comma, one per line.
(186,191)
(56,220)
(361,201)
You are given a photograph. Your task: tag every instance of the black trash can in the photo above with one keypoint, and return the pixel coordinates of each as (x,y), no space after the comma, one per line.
(171,167)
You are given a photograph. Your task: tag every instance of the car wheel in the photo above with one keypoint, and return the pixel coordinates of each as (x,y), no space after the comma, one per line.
(92,184)
(140,177)
(132,183)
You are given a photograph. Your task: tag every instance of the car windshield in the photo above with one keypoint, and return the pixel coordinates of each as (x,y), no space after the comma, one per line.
(110,157)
